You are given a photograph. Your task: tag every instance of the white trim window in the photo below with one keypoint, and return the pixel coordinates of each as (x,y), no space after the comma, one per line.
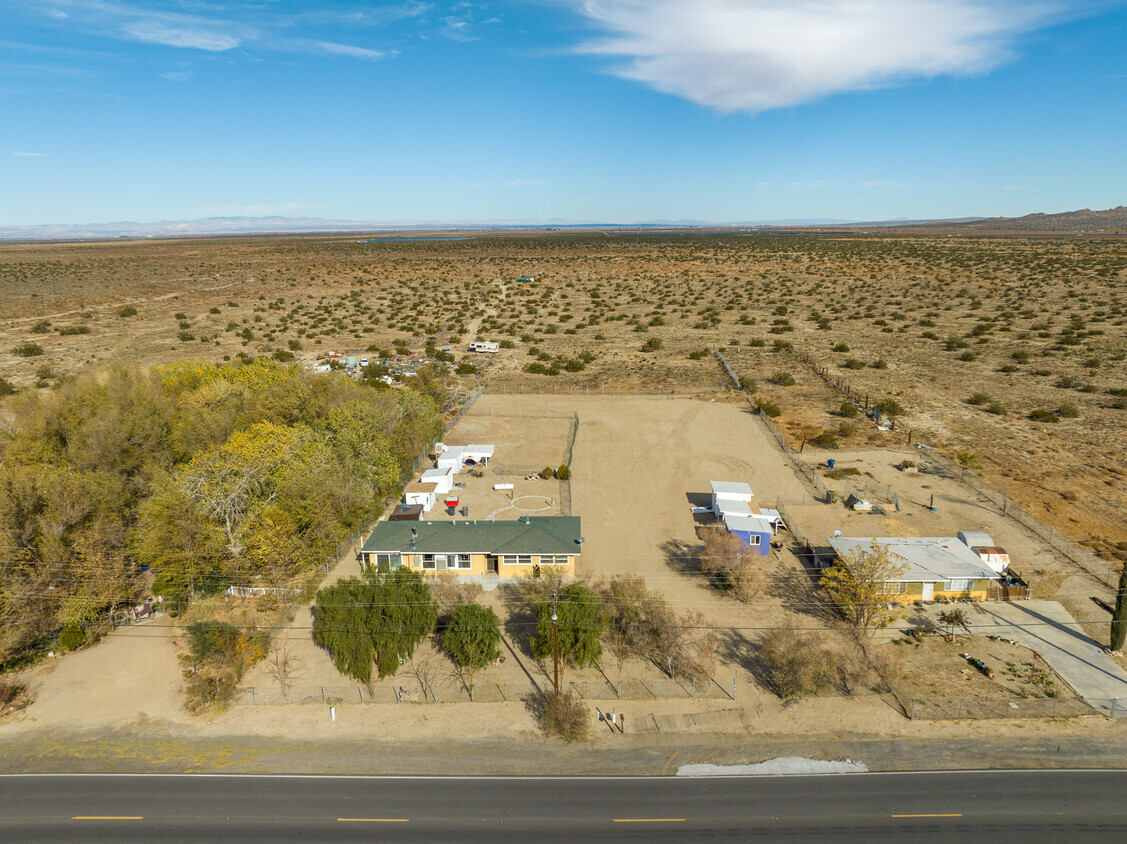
(753,540)
(553,559)
(428,562)
(959,584)
(459,561)
(516,559)
(894,587)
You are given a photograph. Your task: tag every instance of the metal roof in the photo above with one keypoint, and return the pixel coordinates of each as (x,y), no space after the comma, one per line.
(537,535)
(925,559)
(755,524)
(730,488)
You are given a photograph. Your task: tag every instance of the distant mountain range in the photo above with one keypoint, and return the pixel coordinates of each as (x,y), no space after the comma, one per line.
(1085,221)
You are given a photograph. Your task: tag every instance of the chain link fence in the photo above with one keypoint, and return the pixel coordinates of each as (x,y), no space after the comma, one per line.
(959,709)
(663,688)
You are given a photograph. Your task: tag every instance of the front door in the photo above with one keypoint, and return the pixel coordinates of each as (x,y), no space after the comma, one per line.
(491,565)
(929,591)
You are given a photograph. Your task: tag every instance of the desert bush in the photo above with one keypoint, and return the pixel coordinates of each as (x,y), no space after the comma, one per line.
(6,387)
(652,344)
(781,346)
(563,473)
(749,385)
(853,363)
(698,354)
(27,350)
(466,368)
(71,330)
(564,716)
(997,408)
(14,695)
(1042,415)
(782,379)
(824,440)
(547,472)
(846,429)
(41,327)
(796,664)
(847,410)
(1068,411)
(768,407)
(979,399)
(879,364)
(127,311)
(841,348)
(889,407)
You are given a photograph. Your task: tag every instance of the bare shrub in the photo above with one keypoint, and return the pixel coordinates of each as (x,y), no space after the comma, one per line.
(565,717)
(14,696)
(731,564)
(796,664)
(449,595)
(283,667)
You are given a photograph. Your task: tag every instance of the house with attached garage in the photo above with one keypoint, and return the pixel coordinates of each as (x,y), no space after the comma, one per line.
(478,551)
(933,567)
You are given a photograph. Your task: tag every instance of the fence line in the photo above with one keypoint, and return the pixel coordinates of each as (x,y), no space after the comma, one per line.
(807,473)
(957,709)
(599,390)
(1086,560)
(662,688)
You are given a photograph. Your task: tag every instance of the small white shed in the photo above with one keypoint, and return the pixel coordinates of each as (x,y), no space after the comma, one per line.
(725,493)
(443,480)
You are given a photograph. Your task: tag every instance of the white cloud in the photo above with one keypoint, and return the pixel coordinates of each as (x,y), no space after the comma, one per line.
(28,154)
(347,50)
(154,32)
(754,55)
(176,76)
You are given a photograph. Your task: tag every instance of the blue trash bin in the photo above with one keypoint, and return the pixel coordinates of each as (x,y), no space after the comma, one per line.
(830,462)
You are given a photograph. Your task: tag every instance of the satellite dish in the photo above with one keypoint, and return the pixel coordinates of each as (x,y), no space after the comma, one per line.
(580,540)
(837,533)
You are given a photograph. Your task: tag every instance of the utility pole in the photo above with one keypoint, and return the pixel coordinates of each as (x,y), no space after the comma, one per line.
(555,642)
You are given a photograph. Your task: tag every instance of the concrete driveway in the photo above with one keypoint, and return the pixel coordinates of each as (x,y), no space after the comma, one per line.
(1047,628)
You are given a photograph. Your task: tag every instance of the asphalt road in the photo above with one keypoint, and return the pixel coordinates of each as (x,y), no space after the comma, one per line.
(1072,806)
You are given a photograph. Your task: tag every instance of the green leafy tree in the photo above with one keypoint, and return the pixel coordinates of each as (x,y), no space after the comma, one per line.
(376,621)
(472,638)
(1119,618)
(861,582)
(580,621)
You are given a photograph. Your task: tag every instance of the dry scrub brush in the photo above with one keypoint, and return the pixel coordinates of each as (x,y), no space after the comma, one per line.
(731,565)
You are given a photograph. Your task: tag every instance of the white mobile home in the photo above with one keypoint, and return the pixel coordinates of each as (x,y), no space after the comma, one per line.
(484,346)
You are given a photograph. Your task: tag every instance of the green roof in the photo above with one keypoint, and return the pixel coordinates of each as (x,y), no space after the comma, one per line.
(537,535)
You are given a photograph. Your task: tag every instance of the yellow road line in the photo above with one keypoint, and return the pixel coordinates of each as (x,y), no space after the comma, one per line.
(373,820)
(649,820)
(108,818)
(928,816)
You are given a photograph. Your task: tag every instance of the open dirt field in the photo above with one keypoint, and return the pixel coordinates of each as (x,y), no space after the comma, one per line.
(1018,325)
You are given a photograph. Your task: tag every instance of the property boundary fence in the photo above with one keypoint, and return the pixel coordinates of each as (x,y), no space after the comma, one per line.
(1099,568)
(958,709)
(662,688)
(807,473)
(599,390)
(1086,560)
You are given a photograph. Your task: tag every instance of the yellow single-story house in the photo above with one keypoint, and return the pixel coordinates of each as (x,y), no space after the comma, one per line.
(934,567)
(547,546)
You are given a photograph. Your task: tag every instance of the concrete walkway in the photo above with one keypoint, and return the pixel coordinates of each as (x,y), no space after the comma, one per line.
(1047,628)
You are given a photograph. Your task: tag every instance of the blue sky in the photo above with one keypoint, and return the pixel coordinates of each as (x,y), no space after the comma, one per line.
(607,110)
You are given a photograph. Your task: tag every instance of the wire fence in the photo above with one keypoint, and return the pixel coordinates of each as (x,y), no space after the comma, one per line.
(600,389)
(1099,568)
(662,688)
(959,709)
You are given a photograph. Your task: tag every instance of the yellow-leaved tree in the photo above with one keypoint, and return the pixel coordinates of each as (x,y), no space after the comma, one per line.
(861,583)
